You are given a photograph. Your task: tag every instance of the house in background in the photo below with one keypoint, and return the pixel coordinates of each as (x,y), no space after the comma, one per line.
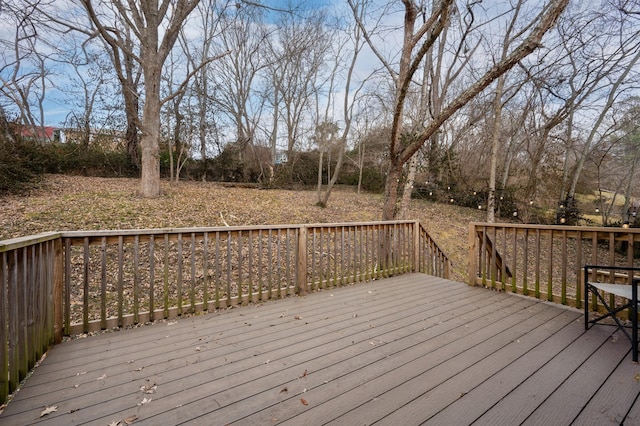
(280,157)
(41,134)
(107,139)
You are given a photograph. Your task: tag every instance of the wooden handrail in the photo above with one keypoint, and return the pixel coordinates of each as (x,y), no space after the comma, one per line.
(30,304)
(545,261)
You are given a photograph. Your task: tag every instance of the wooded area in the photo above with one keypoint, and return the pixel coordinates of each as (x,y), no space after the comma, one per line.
(527,107)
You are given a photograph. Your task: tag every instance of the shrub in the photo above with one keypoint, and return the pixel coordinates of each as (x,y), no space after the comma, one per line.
(16,175)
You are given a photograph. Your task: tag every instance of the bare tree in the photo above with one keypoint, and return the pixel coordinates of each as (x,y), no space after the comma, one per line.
(87,87)
(299,51)
(198,51)
(349,100)
(440,72)
(614,92)
(417,41)
(497,113)
(155,25)
(237,75)
(24,70)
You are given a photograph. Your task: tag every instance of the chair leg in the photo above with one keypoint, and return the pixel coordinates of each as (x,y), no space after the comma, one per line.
(634,320)
(586,305)
(612,313)
(586,298)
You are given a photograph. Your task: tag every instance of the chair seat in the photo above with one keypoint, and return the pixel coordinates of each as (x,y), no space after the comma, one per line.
(621,290)
(629,292)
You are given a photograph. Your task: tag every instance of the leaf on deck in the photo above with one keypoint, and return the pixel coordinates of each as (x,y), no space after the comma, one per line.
(49,410)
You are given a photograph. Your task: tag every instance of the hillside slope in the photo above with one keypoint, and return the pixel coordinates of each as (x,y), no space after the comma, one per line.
(81,203)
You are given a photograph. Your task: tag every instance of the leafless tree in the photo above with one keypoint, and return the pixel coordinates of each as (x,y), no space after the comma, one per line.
(155,26)
(298,49)
(349,48)
(236,76)
(24,64)
(202,90)
(621,58)
(417,41)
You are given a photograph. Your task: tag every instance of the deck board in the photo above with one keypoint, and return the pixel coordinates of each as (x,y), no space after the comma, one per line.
(412,349)
(509,379)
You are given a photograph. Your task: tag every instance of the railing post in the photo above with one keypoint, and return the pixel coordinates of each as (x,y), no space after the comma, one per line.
(302,261)
(5,391)
(473,255)
(416,246)
(58,282)
(447,268)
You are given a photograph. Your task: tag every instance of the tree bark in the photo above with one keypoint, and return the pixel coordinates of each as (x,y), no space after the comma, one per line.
(149,143)
(495,140)
(405,204)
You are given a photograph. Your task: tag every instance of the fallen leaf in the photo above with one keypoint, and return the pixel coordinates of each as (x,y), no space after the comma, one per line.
(144,401)
(115,423)
(637,377)
(148,389)
(197,348)
(304,374)
(131,419)
(304,401)
(104,376)
(298,317)
(284,389)
(49,410)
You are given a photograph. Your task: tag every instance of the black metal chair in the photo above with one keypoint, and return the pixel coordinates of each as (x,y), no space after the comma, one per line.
(622,290)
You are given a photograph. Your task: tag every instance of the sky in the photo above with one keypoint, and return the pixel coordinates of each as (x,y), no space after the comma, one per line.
(59,97)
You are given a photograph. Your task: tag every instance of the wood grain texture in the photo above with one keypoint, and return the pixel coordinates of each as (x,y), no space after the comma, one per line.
(411,349)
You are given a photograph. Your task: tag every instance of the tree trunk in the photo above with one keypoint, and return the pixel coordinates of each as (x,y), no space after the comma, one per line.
(495,140)
(405,203)
(627,193)
(361,149)
(150,177)
(319,189)
(391,192)
(133,144)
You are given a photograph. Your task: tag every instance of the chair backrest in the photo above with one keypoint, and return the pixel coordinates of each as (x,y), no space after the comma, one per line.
(611,274)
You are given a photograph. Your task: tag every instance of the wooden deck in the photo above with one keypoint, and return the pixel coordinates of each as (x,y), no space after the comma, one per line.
(407,350)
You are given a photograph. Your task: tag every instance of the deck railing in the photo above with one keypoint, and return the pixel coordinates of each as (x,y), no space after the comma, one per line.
(67,283)
(546,261)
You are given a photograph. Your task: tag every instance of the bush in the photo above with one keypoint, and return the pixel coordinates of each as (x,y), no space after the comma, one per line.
(73,158)
(372,180)
(23,162)
(301,170)
(16,175)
